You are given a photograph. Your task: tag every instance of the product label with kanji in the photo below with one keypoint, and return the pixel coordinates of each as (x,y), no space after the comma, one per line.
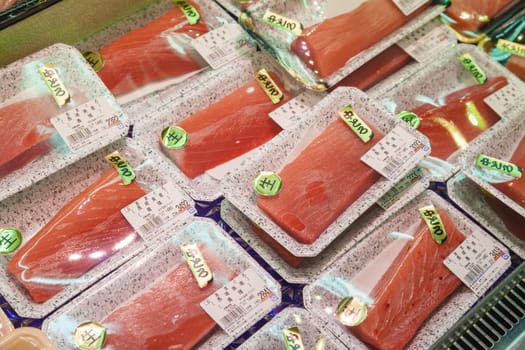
(431,40)
(241,302)
(293,111)
(409,6)
(507,100)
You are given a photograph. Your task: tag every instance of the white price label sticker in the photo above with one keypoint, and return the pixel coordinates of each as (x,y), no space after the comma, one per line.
(478,262)
(396,153)
(223,45)
(506,100)
(160,207)
(293,111)
(409,6)
(401,187)
(240,303)
(88,123)
(424,44)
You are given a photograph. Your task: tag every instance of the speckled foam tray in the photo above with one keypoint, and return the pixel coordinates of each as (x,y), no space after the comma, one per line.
(323,295)
(238,186)
(501,143)
(202,94)
(310,268)
(469,196)
(32,208)
(137,274)
(409,88)
(22,76)
(211,13)
(311,13)
(312,331)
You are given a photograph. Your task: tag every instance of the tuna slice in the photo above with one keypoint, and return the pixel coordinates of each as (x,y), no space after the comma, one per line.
(179,321)
(317,189)
(377,69)
(471,15)
(159,50)
(227,129)
(462,118)
(415,284)
(516,65)
(85,232)
(515,189)
(325,47)
(26,129)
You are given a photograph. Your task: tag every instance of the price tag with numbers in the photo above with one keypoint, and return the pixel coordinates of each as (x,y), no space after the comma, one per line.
(292,111)
(424,44)
(223,45)
(506,100)
(89,123)
(396,153)
(241,302)
(478,262)
(159,208)
(409,6)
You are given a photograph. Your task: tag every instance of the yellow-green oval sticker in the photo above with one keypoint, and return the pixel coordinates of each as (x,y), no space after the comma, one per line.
(174,137)
(267,183)
(10,240)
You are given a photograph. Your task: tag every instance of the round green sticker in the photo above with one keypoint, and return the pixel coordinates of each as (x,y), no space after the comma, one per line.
(411,118)
(95,60)
(174,137)
(351,311)
(89,336)
(10,240)
(267,183)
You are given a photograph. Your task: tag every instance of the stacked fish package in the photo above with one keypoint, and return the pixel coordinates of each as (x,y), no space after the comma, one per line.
(406,283)
(321,42)
(211,129)
(452,101)
(63,234)
(53,112)
(195,278)
(303,202)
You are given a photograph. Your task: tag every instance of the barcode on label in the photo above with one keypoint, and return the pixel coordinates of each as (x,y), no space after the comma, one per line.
(81,134)
(474,273)
(153,222)
(392,165)
(218,53)
(234,313)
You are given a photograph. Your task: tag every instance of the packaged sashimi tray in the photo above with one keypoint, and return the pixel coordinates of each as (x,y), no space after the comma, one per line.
(54,111)
(166,44)
(455,99)
(497,217)
(305,269)
(293,328)
(22,338)
(307,185)
(321,42)
(406,283)
(210,130)
(63,234)
(195,289)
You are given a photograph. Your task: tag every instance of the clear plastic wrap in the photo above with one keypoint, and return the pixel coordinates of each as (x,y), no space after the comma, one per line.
(77,235)
(396,290)
(159,286)
(288,148)
(31,146)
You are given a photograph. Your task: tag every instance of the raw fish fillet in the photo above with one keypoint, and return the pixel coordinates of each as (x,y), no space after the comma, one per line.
(25,129)
(325,179)
(85,232)
(412,287)
(515,189)
(227,129)
(377,69)
(325,47)
(167,315)
(471,15)
(159,50)
(453,125)
(516,65)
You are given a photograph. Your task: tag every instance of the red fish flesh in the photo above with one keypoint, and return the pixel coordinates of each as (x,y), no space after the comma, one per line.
(86,231)
(5,4)
(173,301)
(412,287)
(463,117)
(516,65)
(227,129)
(327,46)
(325,179)
(377,69)
(515,189)
(471,15)
(159,50)
(26,129)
